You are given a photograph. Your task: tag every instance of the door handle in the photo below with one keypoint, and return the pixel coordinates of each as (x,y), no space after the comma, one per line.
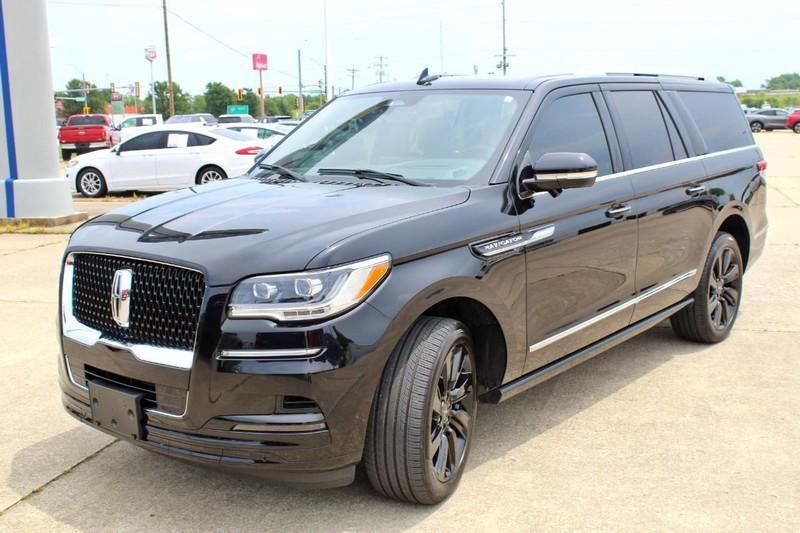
(694,190)
(618,211)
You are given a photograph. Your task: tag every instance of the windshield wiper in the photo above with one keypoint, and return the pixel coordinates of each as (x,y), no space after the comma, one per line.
(282,171)
(370,174)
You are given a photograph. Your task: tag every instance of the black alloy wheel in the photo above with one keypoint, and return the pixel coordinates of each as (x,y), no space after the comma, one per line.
(711,315)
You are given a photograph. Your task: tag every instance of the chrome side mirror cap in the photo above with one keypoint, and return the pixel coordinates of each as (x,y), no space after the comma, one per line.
(557,170)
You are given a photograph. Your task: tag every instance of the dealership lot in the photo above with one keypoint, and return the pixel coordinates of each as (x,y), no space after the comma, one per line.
(654,434)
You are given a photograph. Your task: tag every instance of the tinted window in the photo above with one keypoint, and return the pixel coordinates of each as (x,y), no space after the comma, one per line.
(643,127)
(177,139)
(718,118)
(678,148)
(87,120)
(228,120)
(198,139)
(148,141)
(572,124)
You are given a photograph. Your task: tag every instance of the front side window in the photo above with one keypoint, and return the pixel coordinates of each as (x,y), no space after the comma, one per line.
(147,141)
(571,124)
(439,137)
(643,125)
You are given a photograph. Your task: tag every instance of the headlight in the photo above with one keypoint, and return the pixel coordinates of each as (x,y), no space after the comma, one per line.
(308,295)
(72,162)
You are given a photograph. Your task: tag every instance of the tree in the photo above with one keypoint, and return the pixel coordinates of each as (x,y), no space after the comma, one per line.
(183,100)
(251,100)
(199,104)
(790,81)
(734,83)
(218,96)
(96,99)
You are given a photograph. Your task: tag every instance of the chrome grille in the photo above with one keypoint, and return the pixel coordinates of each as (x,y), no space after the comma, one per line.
(165,300)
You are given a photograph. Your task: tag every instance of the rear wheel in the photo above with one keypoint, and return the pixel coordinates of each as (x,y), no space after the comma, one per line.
(716,300)
(209,174)
(756,127)
(91,183)
(66,154)
(423,414)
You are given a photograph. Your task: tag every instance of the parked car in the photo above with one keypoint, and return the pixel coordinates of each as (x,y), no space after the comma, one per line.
(83,133)
(275,118)
(231,119)
(274,132)
(164,158)
(203,119)
(767,119)
(793,121)
(407,253)
(132,125)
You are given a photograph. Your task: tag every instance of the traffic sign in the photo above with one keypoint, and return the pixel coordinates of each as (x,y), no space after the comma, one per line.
(150,53)
(238,109)
(259,61)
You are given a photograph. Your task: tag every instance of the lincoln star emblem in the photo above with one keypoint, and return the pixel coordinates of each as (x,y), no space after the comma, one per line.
(121,297)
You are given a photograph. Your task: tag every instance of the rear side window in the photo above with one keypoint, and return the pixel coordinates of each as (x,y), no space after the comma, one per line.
(572,124)
(643,126)
(198,139)
(718,118)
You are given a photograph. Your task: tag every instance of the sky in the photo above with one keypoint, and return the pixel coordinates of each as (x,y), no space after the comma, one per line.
(211,40)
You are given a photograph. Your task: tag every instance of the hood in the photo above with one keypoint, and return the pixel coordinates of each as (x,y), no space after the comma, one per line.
(240,227)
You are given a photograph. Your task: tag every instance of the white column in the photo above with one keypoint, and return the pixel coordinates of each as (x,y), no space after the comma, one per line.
(33,183)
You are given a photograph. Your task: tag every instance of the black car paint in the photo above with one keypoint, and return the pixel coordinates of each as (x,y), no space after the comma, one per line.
(243,227)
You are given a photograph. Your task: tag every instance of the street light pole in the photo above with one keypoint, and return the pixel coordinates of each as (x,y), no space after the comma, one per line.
(153,88)
(169,62)
(327,65)
(302,107)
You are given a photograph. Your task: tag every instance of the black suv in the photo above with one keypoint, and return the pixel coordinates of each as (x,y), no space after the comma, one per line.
(408,252)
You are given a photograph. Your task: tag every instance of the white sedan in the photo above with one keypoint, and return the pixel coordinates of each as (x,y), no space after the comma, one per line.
(164,158)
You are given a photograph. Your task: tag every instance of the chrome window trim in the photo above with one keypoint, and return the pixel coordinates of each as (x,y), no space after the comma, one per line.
(609,312)
(639,170)
(87,336)
(268,354)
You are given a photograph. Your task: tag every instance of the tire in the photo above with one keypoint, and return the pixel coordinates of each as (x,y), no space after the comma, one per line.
(91,183)
(718,296)
(796,127)
(756,127)
(209,174)
(411,427)
(65,155)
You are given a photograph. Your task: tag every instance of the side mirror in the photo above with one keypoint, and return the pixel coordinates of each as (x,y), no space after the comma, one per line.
(556,170)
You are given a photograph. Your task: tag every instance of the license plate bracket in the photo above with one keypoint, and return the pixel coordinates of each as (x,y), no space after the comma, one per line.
(116,409)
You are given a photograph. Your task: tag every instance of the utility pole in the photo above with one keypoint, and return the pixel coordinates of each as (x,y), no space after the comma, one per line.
(504,56)
(441,49)
(325,35)
(380,66)
(260,94)
(302,107)
(170,92)
(352,72)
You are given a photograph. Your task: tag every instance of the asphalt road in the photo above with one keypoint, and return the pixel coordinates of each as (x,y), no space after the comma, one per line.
(655,434)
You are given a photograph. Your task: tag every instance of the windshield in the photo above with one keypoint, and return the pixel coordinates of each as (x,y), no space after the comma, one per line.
(86,121)
(435,136)
(231,134)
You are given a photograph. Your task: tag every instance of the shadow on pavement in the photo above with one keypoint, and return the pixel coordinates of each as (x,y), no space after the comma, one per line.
(126,488)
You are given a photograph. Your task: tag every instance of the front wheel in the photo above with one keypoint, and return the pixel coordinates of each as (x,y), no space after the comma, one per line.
(716,300)
(91,183)
(423,415)
(796,127)
(756,127)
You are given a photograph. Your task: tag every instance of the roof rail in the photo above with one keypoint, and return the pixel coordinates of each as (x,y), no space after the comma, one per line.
(654,75)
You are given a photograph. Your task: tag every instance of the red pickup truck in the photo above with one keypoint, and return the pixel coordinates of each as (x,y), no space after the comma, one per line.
(83,133)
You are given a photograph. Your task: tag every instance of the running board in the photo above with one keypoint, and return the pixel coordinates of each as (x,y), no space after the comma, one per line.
(523,383)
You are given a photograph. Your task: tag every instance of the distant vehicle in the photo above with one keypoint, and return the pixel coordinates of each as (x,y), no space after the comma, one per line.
(793,121)
(767,120)
(231,119)
(273,132)
(275,118)
(164,158)
(83,133)
(205,119)
(132,126)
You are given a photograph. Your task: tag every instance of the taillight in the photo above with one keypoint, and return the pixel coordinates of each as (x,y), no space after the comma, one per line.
(250,150)
(762,167)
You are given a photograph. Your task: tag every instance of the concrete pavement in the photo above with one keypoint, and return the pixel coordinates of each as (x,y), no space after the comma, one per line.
(655,434)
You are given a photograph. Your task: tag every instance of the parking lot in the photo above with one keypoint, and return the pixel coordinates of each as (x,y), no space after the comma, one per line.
(655,434)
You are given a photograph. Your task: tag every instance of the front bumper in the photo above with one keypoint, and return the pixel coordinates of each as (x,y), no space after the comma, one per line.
(301,421)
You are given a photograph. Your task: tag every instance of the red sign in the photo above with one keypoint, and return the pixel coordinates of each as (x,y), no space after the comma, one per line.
(259,61)
(150,53)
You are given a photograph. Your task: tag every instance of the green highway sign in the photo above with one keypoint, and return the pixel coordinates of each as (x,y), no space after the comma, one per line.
(238,109)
